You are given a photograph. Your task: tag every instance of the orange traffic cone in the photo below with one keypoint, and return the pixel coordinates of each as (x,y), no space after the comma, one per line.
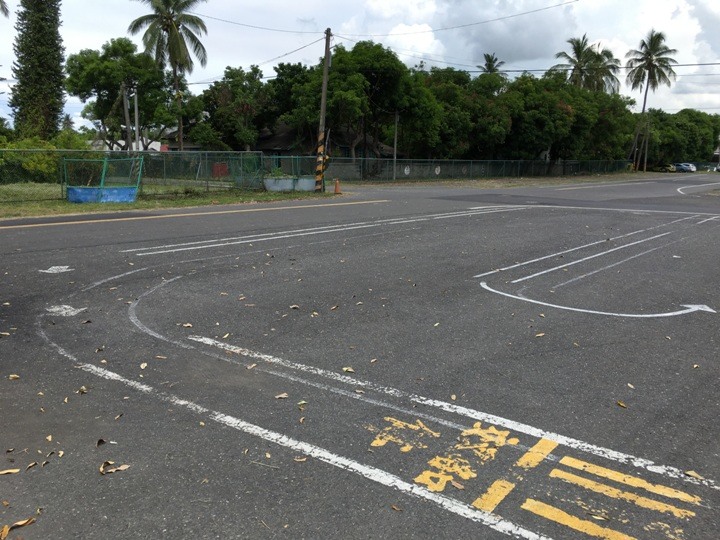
(337,187)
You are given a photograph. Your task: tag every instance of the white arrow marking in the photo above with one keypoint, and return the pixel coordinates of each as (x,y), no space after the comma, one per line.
(689,308)
(65,311)
(57,270)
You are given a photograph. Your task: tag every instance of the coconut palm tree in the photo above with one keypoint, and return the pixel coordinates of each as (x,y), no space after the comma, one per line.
(651,64)
(588,66)
(171,33)
(492,64)
(4,8)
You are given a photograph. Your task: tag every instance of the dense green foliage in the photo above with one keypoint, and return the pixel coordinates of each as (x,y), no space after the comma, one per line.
(38,95)
(98,79)
(572,112)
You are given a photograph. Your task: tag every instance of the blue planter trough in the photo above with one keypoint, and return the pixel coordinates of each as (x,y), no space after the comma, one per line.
(101,195)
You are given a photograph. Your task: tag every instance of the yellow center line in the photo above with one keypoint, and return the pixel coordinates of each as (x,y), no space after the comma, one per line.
(536,454)
(558,516)
(621,495)
(630,480)
(495,494)
(189,214)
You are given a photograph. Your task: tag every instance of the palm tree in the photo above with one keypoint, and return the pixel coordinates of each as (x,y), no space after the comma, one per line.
(589,67)
(169,30)
(492,64)
(4,8)
(651,64)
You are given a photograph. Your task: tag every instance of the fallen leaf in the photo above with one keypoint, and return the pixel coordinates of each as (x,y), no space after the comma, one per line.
(33,464)
(598,518)
(48,438)
(223,294)
(82,390)
(251,366)
(294,306)
(348,370)
(359,391)
(436,324)
(396,508)
(9,471)
(284,395)
(187,325)
(541,334)
(119,416)
(13,377)
(453,397)
(695,475)
(359,304)
(5,531)
(143,365)
(301,459)
(6,503)
(457,485)
(267,455)
(631,386)
(226,336)
(542,315)
(161,357)
(202,424)
(302,420)
(621,404)
(695,366)
(106,467)
(373,360)
(61,454)
(334,308)
(668,337)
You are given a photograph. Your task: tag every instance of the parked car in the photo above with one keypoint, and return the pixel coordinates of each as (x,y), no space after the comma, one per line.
(682,167)
(690,166)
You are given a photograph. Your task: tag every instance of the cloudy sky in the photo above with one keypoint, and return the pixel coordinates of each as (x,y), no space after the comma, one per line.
(526,34)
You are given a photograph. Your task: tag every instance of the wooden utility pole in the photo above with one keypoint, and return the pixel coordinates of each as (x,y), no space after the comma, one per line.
(321,153)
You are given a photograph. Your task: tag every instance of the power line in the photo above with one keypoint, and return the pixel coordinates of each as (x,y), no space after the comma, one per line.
(255,27)
(467,25)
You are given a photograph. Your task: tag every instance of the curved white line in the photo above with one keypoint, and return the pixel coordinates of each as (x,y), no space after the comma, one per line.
(681,192)
(689,308)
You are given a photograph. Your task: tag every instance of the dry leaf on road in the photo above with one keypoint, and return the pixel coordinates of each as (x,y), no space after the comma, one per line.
(13,377)
(348,370)
(9,471)
(107,468)
(284,395)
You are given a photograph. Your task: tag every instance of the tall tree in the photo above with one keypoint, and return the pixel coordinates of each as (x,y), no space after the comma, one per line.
(492,63)
(38,95)
(4,8)
(171,32)
(651,64)
(588,66)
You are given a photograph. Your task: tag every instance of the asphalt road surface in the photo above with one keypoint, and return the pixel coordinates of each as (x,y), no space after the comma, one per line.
(396,362)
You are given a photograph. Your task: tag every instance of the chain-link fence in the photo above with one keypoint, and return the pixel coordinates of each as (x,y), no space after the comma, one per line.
(39,174)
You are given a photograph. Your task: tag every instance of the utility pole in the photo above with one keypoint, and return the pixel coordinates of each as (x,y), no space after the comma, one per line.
(397,121)
(321,154)
(126,112)
(137,123)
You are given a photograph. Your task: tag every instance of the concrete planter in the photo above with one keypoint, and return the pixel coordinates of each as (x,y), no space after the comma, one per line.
(302,183)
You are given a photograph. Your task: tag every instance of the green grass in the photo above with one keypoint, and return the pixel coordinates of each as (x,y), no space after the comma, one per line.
(32,206)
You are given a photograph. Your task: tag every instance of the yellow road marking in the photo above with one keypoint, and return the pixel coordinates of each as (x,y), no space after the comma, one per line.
(618,494)
(558,516)
(495,494)
(186,214)
(536,454)
(630,480)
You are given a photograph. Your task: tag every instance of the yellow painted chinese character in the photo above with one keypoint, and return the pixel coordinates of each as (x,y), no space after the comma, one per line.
(447,468)
(406,436)
(484,442)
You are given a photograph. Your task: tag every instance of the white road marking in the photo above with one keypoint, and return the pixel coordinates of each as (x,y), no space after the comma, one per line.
(641,183)
(65,311)
(369,472)
(689,308)
(57,270)
(625,246)
(525,263)
(599,451)
(157,250)
(682,192)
